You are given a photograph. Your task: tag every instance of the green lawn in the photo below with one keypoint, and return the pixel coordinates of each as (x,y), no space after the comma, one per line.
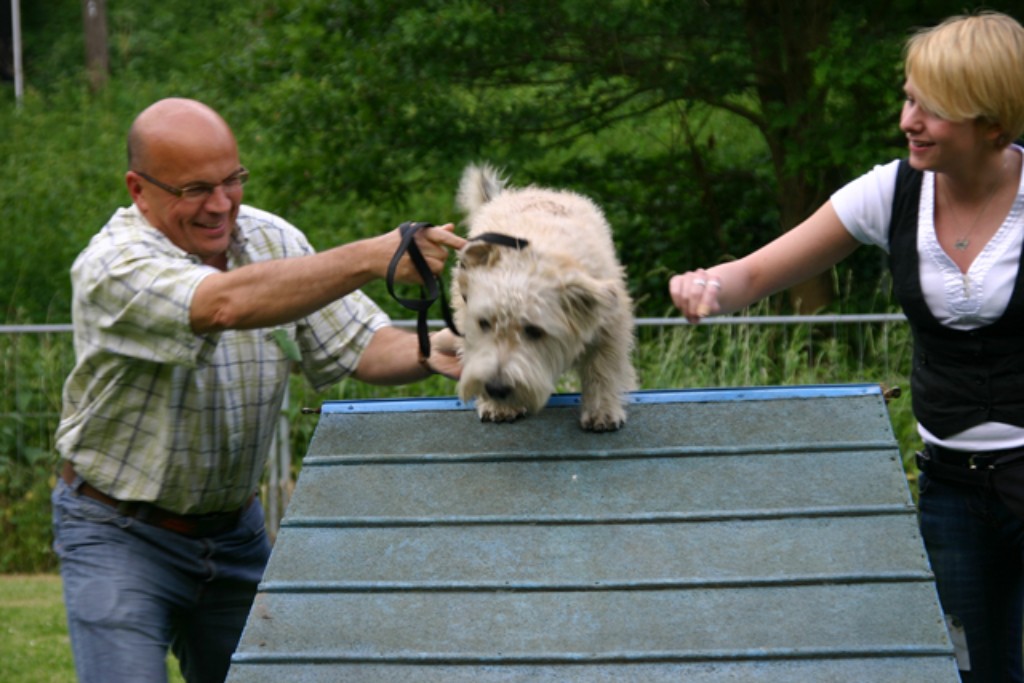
(34,646)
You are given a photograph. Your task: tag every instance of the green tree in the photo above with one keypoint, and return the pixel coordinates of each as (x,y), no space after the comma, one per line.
(704,128)
(391,100)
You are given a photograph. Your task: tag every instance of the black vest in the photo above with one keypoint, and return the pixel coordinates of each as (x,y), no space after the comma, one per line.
(960,378)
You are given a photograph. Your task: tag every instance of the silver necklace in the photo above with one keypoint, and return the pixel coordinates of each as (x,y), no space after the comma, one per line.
(962,243)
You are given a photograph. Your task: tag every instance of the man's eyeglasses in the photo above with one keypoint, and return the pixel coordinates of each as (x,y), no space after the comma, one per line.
(197,191)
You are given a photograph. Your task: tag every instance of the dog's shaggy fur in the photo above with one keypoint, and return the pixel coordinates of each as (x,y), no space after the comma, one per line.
(528,315)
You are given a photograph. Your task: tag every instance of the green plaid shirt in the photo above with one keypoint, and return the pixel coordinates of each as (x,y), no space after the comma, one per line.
(152,411)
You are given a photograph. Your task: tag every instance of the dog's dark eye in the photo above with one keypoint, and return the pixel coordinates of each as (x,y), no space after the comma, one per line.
(485,325)
(533,332)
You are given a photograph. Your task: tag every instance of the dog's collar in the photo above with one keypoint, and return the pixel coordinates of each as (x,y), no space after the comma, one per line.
(501,240)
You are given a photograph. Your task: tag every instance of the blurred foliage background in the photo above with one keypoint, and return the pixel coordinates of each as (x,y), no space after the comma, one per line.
(703,128)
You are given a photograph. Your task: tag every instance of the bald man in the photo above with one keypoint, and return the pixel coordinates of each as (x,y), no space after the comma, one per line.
(187,308)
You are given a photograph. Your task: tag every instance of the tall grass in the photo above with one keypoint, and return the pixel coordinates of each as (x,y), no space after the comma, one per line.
(33,367)
(32,370)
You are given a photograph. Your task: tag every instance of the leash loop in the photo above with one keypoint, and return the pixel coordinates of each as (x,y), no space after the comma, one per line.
(431,290)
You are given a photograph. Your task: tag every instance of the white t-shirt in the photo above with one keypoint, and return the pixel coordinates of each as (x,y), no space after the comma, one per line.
(962,301)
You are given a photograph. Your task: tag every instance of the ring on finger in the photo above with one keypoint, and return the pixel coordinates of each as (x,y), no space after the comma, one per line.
(717,284)
(699,282)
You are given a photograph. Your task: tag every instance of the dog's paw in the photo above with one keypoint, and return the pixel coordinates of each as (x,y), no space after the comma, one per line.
(492,412)
(593,421)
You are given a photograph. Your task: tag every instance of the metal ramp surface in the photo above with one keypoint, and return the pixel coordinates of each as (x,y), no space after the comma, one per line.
(755,535)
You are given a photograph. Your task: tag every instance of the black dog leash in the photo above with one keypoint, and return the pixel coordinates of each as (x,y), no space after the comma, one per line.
(433,287)
(431,290)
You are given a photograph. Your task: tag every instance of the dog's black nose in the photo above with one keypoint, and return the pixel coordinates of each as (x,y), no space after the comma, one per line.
(497,390)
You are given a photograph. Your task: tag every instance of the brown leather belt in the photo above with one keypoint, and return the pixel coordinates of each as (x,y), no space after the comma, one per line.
(193,526)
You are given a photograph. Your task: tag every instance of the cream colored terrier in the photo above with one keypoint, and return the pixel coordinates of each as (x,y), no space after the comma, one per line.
(538,291)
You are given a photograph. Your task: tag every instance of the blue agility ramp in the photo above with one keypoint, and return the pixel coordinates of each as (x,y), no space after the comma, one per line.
(755,535)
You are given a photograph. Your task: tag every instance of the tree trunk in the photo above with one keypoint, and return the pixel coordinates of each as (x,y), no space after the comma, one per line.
(784,80)
(97,60)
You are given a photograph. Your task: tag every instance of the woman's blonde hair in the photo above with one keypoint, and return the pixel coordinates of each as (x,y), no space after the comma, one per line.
(971,67)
